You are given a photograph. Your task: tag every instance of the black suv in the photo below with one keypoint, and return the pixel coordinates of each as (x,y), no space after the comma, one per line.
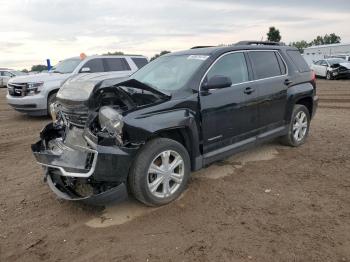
(145,134)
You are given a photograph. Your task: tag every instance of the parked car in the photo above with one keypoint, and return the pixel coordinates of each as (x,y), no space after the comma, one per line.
(6,74)
(332,68)
(345,57)
(177,114)
(33,94)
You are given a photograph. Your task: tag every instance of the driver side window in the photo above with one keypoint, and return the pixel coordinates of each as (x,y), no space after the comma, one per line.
(233,66)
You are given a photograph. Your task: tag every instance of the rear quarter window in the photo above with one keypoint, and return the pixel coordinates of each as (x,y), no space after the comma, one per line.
(139,61)
(298,60)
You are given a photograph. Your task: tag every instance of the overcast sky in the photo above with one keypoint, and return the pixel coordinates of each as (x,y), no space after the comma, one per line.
(32,31)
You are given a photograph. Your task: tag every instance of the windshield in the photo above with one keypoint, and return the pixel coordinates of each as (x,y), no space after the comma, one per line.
(169,73)
(66,66)
(334,61)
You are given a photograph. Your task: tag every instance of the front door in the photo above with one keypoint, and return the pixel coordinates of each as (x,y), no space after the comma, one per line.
(229,115)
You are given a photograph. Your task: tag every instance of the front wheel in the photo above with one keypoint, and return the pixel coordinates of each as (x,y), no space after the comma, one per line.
(329,76)
(160,172)
(298,128)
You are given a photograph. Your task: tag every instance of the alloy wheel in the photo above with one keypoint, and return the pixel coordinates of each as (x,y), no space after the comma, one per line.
(165,174)
(300,126)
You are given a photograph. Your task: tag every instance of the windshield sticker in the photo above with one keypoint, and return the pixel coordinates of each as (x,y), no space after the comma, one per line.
(198,57)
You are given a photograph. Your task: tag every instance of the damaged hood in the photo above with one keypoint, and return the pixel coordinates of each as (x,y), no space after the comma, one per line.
(80,89)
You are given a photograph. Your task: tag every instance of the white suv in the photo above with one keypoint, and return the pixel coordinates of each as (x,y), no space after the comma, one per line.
(33,94)
(6,74)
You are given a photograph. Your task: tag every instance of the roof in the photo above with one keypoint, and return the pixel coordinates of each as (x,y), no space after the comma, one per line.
(325,46)
(244,45)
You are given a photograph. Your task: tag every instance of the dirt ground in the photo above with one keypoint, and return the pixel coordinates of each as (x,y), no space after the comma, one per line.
(272,203)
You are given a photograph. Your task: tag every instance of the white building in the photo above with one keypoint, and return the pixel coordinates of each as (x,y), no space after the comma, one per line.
(315,53)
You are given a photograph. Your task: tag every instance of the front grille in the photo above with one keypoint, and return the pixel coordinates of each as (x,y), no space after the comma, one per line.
(17,89)
(76,118)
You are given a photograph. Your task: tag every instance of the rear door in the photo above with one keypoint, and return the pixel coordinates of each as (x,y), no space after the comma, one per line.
(229,115)
(271,80)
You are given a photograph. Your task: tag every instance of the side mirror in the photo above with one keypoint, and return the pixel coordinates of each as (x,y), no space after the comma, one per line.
(217,82)
(85,70)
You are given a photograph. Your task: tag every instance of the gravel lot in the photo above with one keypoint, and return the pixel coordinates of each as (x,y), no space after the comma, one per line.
(272,203)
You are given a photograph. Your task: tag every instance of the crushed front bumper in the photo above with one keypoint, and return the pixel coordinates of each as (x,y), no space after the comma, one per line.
(71,158)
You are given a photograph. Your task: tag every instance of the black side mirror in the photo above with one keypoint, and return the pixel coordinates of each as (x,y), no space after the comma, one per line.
(217,82)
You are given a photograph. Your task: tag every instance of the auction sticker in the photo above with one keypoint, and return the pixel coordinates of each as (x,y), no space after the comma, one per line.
(198,57)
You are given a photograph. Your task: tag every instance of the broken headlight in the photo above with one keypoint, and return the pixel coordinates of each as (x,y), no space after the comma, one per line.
(111,121)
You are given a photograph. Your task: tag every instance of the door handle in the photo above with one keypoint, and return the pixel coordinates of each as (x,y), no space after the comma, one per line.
(249,90)
(288,82)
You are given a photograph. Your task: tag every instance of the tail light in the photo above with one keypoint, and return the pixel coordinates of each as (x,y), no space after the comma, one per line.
(313,79)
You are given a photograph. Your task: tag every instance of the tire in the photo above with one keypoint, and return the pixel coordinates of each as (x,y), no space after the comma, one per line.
(329,76)
(143,183)
(292,139)
(51,99)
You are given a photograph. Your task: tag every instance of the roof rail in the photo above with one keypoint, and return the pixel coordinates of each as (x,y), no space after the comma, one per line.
(201,46)
(260,43)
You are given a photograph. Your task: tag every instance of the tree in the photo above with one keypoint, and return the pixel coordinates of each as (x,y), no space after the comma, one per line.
(25,71)
(301,45)
(38,68)
(160,54)
(326,40)
(274,35)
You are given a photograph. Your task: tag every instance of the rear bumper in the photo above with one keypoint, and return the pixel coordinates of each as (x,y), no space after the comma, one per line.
(104,169)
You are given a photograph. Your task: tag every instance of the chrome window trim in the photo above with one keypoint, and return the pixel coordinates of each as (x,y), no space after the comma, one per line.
(251,81)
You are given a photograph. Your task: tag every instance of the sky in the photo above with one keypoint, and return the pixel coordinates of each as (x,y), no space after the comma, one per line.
(33,30)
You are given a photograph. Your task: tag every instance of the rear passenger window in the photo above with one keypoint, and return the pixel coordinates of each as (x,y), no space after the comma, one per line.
(139,61)
(233,66)
(95,65)
(265,64)
(116,64)
(298,60)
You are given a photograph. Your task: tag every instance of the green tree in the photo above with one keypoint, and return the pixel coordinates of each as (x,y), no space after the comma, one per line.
(25,71)
(274,34)
(327,39)
(301,45)
(332,39)
(38,68)
(160,54)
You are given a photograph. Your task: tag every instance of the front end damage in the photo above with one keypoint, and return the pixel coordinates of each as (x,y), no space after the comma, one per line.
(76,168)
(83,152)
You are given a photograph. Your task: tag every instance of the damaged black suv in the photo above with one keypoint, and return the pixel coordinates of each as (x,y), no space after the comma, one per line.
(145,134)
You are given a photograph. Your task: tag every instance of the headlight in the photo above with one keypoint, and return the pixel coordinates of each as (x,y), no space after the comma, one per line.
(34,88)
(111,121)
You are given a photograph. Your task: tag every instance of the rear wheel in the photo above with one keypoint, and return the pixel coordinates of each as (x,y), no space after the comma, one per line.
(160,172)
(298,128)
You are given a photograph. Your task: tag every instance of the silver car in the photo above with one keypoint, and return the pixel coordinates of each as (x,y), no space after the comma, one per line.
(331,68)
(7,74)
(33,94)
